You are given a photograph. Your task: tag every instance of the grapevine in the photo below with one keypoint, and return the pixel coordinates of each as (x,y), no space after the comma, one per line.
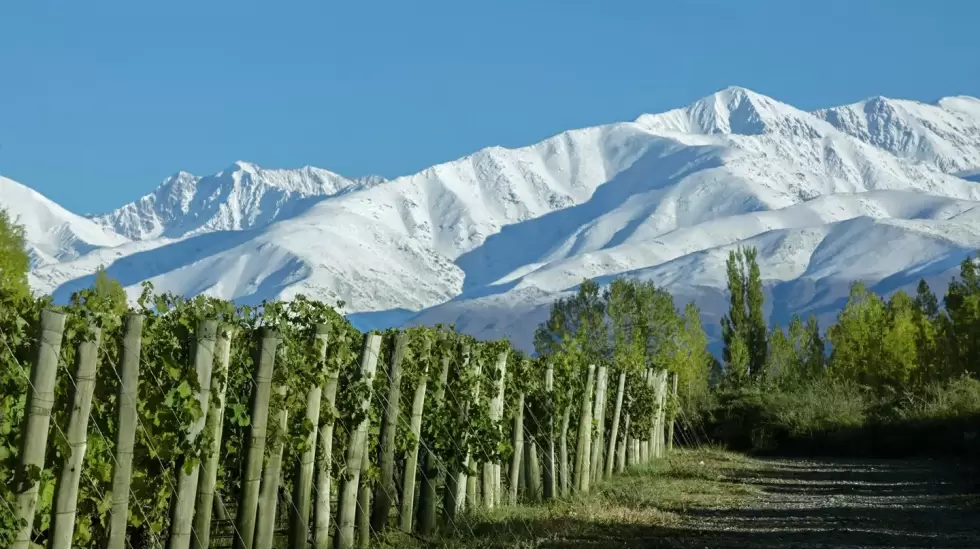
(626,330)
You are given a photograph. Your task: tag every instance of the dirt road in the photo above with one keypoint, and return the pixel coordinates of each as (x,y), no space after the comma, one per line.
(718,500)
(842,504)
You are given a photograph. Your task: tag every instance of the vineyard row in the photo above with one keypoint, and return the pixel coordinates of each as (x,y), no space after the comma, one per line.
(194,425)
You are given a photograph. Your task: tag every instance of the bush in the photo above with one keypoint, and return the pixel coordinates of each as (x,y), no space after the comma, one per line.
(954,399)
(831,417)
(765,418)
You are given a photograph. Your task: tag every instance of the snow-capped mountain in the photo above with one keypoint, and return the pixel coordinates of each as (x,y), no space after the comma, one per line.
(883,190)
(242,196)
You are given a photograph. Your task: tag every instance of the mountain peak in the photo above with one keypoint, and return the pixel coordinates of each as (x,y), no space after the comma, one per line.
(242,166)
(737,94)
(733,110)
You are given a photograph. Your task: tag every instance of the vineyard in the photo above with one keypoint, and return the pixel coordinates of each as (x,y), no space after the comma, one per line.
(185,423)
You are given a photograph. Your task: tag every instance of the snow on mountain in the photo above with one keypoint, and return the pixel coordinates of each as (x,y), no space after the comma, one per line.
(882,191)
(388,246)
(945,134)
(242,196)
(53,233)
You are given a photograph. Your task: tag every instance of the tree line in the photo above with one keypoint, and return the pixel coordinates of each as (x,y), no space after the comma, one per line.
(884,345)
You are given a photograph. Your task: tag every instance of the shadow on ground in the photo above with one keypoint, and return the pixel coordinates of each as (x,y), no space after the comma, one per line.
(800,504)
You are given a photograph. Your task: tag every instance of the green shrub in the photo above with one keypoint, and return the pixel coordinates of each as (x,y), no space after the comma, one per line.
(937,401)
(832,417)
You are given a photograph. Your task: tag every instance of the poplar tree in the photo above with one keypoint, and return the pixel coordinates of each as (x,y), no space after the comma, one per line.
(755,337)
(926,301)
(815,354)
(734,322)
(928,329)
(745,320)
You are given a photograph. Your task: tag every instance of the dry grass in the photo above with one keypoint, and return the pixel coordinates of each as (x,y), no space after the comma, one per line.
(711,498)
(643,498)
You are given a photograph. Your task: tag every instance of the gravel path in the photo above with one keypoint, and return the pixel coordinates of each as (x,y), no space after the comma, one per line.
(813,505)
(842,504)
(721,502)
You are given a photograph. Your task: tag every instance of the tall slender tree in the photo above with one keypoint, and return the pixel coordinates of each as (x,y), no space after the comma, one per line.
(815,355)
(926,301)
(755,333)
(733,323)
(745,320)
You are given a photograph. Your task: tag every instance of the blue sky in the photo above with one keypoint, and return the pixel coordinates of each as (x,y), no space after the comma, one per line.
(99,101)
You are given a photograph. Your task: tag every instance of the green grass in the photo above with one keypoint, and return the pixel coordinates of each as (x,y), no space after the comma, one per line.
(639,500)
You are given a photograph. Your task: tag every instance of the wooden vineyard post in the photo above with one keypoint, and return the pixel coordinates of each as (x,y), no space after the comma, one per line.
(498,467)
(656,428)
(363,517)
(129,374)
(66,488)
(407,511)
(215,423)
(630,444)
(454,490)
(624,444)
(655,414)
(472,497)
(324,481)
(662,416)
(182,516)
(299,512)
(564,467)
(522,473)
(583,448)
(612,447)
(491,471)
(384,492)
(248,502)
(550,487)
(272,473)
(354,456)
(532,467)
(673,415)
(599,415)
(517,458)
(645,442)
(37,419)
(657,433)
(431,470)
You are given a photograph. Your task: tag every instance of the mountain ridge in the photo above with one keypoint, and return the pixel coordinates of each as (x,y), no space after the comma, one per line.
(488,240)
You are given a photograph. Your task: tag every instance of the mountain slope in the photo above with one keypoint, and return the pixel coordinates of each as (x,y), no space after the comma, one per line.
(879,191)
(945,134)
(53,233)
